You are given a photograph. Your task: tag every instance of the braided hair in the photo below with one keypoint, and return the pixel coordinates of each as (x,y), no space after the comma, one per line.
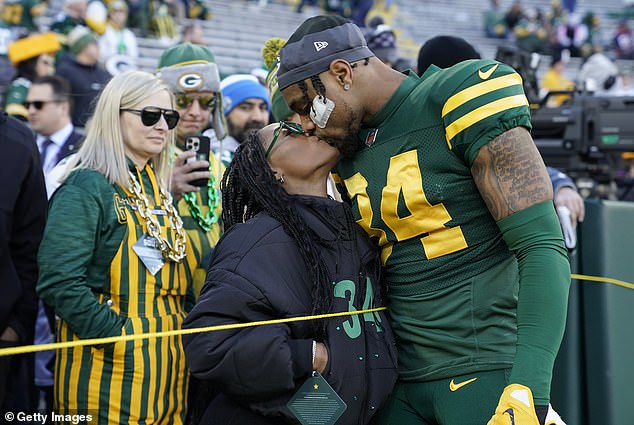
(249,187)
(318,85)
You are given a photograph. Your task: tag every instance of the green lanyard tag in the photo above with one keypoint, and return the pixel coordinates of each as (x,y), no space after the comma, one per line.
(316,403)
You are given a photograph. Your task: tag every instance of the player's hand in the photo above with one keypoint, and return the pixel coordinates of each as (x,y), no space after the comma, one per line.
(516,407)
(183,174)
(570,198)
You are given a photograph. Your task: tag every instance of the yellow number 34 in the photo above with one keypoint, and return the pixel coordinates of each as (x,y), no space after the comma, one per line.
(426,221)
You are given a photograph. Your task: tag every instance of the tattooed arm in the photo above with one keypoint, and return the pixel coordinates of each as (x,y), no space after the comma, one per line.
(510,174)
(513,181)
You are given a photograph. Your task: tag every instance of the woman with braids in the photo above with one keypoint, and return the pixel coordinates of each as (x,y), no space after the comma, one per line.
(289,251)
(115,260)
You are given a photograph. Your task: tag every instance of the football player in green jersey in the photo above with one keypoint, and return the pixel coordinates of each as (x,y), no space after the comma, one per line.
(442,171)
(445,51)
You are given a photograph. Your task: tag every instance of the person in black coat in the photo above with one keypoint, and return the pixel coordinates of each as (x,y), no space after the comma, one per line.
(22,218)
(83,71)
(288,251)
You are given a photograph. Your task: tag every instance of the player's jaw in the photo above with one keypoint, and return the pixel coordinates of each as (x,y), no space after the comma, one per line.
(347,139)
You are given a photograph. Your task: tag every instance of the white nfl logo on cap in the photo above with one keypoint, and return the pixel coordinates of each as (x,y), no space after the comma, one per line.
(319,45)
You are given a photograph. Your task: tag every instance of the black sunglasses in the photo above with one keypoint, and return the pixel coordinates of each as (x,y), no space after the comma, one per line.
(292,127)
(39,104)
(150,115)
(184,101)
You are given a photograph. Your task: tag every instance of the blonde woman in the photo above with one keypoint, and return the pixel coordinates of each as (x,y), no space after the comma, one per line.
(115,261)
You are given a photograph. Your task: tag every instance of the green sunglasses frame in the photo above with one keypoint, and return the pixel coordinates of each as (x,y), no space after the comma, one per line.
(293,127)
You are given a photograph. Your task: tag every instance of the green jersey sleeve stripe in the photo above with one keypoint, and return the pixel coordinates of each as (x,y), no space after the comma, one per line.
(483,112)
(480,89)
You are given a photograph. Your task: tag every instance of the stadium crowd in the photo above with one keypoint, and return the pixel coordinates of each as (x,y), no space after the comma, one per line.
(138,202)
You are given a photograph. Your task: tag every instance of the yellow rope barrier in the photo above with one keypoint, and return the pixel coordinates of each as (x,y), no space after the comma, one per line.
(603,279)
(95,341)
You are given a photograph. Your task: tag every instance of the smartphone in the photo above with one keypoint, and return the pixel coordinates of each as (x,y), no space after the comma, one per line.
(201,145)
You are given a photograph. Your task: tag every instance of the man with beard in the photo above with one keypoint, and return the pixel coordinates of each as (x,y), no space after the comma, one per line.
(442,171)
(246,107)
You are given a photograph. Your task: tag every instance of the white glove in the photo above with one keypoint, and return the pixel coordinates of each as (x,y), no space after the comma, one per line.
(568,228)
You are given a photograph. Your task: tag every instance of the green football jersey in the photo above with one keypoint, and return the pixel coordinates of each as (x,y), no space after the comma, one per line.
(15,97)
(21,13)
(411,189)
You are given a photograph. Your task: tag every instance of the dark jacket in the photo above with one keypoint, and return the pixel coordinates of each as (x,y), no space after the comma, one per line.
(22,218)
(70,146)
(256,273)
(86,83)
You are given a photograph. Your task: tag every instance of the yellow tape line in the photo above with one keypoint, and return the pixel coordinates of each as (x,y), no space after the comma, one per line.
(95,341)
(602,279)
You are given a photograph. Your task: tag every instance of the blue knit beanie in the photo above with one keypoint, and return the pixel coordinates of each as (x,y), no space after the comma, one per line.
(240,87)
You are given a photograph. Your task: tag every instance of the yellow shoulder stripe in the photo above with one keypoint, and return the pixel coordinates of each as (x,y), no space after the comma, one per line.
(479,89)
(483,112)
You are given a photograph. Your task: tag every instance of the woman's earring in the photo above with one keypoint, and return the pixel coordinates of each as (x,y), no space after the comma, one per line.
(346,86)
(281,180)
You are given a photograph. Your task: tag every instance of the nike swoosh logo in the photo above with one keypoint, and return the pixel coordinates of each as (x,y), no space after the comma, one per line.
(455,387)
(485,75)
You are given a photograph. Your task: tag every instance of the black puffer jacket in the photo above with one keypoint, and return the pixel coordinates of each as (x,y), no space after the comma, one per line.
(256,273)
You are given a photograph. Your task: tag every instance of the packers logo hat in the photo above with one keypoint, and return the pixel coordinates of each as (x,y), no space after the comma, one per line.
(186,53)
(188,68)
(190,81)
